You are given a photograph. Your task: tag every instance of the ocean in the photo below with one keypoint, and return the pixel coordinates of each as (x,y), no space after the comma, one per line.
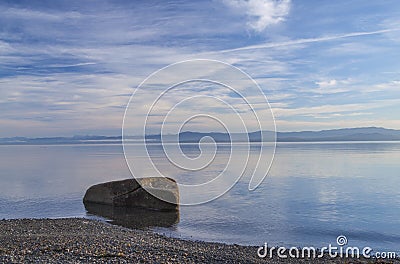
(313,193)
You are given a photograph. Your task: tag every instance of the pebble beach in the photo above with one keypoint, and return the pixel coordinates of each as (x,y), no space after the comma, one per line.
(79,240)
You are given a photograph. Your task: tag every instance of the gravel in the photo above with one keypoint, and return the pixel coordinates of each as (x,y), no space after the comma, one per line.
(78,240)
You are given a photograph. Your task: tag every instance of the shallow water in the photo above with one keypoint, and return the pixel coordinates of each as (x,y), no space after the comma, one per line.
(313,193)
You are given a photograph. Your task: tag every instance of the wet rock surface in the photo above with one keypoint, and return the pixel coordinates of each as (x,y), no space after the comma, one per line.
(129,193)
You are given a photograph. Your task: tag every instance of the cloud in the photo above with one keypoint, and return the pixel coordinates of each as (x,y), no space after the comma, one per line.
(392,86)
(320,109)
(67,68)
(328,83)
(392,23)
(331,86)
(262,13)
(310,40)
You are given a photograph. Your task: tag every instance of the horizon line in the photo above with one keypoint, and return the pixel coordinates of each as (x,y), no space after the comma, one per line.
(120,135)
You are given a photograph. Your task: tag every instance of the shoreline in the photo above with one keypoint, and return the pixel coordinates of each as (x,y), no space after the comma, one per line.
(85,240)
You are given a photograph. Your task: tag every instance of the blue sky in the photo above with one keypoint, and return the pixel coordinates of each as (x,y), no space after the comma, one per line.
(69,67)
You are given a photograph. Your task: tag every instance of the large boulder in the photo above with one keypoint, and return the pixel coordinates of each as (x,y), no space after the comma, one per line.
(129,193)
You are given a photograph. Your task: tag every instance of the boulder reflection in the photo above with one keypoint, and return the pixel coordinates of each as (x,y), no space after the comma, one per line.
(134,217)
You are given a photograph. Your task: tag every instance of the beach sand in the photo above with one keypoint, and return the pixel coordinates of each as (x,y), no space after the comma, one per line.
(79,240)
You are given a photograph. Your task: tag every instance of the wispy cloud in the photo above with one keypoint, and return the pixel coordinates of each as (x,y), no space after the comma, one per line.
(68,69)
(309,40)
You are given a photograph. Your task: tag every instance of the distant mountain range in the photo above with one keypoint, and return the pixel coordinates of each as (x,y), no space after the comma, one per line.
(60,140)
(345,134)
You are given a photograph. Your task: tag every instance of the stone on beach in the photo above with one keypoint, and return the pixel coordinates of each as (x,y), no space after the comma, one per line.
(129,193)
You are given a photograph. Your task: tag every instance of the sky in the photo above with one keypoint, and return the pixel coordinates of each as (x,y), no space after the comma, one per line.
(70,67)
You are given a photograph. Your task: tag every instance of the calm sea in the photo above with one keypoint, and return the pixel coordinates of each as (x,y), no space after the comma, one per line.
(313,193)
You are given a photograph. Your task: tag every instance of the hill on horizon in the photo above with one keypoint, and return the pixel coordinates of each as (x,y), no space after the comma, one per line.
(342,134)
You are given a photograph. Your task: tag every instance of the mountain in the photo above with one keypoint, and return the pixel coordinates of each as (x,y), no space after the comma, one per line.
(60,140)
(345,134)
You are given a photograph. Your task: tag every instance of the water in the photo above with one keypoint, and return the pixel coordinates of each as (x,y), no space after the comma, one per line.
(314,192)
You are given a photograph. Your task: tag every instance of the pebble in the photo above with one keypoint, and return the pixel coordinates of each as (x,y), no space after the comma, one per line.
(77,240)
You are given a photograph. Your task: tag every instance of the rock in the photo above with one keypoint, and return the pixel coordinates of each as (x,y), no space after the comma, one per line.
(129,193)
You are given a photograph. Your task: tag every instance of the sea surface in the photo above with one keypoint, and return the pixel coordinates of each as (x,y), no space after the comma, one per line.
(313,193)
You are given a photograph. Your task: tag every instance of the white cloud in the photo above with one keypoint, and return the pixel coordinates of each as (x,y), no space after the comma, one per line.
(332,110)
(392,23)
(262,13)
(297,42)
(29,14)
(332,86)
(328,83)
(82,66)
(383,87)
